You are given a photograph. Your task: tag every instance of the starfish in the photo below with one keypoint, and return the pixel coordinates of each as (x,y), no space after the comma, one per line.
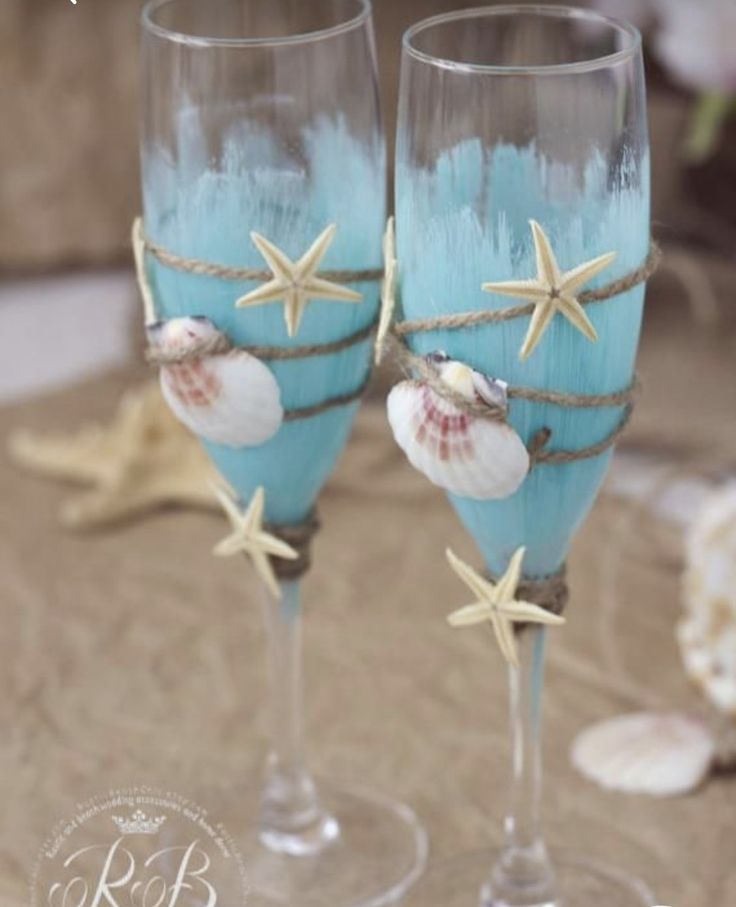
(139,254)
(497,603)
(388,290)
(552,291)
(296,282)
(249,537)
(142,459)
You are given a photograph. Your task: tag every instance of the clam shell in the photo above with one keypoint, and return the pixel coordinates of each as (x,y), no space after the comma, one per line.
(466,455)
(663,755)
(227,398)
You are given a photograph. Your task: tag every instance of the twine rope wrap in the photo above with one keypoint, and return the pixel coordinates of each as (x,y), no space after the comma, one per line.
(549,592)
(496,316)
(210,346)
(299,536)
(428,374)
(315,409)
(222,344)
(537,446)
(226,272)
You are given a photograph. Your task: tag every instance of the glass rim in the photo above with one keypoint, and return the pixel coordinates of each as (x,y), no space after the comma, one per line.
(160,31)
(548,11)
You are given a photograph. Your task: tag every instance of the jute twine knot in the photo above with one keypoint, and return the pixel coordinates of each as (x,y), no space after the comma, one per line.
(217,345)
(428,374)
(299,536)
(549,592)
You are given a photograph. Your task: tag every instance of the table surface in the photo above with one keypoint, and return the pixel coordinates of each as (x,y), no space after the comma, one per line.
(133,657)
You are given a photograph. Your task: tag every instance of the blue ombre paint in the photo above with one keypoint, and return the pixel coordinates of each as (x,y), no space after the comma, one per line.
(465,221)
(206,209)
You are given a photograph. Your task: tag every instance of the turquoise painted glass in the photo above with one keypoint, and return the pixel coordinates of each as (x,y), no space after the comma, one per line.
(263,115)
(463,219)
(508,114)
(285,157)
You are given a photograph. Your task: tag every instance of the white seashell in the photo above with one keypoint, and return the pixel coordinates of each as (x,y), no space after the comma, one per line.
(472,384)
(663,755)
(707,632)
(462,453)
(228,398)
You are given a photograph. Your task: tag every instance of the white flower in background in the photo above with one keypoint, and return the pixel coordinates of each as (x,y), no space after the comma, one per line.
(695,41)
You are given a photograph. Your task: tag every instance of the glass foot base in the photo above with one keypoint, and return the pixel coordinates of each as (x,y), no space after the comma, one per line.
(582,882)
(379,850)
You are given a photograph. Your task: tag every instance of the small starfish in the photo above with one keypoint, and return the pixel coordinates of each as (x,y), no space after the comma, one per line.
(249,537)
(139,254)
(296,282)
(497,603)
(552,291)
(388,290)
(141,460)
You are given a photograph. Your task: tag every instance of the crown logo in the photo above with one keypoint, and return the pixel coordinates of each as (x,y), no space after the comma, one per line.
(139,824)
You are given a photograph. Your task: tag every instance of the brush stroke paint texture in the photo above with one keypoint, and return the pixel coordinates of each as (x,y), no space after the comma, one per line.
(464,221)
(207,212)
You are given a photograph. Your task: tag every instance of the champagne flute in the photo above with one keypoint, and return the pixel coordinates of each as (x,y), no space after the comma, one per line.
(511,115)
(260,259)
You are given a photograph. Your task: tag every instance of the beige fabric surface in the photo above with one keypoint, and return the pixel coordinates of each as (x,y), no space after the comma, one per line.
(134,657)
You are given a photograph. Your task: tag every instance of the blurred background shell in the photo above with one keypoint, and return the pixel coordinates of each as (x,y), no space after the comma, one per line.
(707,632)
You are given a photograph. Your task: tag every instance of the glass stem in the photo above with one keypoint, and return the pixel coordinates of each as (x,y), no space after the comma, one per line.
(523,874)
(292,818)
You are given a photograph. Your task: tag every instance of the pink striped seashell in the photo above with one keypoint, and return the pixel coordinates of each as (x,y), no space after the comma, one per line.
(228,398)
(462,453)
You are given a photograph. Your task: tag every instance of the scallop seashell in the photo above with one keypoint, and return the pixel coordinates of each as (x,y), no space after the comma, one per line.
(462,453)
(228,398)
(663,755)
(707,631)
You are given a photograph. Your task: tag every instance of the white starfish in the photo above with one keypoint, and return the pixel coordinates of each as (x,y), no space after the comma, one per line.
(497,604)
(139,254)
(249,537)
(139,460)
(296,282)
(552,291)
(388,290)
